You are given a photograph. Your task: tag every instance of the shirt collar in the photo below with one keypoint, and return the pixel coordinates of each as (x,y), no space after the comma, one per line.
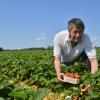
(67,36)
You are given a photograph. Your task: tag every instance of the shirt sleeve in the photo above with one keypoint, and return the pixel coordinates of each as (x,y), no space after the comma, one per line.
(89,48)
(57,46)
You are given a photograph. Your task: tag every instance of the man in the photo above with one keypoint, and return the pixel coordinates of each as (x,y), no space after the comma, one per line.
(70,44)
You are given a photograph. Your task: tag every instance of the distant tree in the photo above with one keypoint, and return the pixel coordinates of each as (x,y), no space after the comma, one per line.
(1,49)
(34,48)
(50,47)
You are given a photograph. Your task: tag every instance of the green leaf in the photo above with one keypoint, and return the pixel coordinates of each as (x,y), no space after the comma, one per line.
(19,94)
(1,86)
(30,97)
(40,94)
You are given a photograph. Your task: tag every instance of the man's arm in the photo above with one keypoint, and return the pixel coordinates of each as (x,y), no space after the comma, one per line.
(91,53)
(57,63)
(94,65)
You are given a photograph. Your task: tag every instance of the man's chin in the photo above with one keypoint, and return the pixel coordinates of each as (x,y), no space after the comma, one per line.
(77,41)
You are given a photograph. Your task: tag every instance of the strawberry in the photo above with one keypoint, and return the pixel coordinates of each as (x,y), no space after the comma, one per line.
(77,76)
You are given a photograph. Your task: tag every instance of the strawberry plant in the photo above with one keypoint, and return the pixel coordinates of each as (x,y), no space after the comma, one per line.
(36,67)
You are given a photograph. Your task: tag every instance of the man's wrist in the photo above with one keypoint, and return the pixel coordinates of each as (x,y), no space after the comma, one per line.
(94,69)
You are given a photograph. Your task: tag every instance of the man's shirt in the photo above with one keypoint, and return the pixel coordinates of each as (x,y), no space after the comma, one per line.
(67,52)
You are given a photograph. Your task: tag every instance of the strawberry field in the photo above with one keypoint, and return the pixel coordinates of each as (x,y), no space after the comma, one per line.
(30,75)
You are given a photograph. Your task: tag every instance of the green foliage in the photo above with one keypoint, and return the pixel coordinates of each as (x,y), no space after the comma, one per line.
(36,67)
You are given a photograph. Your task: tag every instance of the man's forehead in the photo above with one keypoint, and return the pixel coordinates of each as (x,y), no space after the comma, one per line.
(77,29)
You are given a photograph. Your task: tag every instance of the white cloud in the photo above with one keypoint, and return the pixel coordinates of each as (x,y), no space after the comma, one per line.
(96,41)
(42,34)
(41,37)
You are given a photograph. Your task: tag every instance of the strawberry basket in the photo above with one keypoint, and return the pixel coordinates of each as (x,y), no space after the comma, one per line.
(71,78)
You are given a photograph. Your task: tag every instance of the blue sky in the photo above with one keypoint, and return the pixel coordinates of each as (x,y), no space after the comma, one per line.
(34,23)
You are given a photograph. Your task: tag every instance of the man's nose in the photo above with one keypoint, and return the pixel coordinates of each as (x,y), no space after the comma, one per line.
(77,35)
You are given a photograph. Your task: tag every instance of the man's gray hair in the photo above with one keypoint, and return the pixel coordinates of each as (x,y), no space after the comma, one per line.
(76,22)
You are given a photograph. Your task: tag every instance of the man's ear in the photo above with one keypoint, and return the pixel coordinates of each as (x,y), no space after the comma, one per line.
(69,35)
(69,30)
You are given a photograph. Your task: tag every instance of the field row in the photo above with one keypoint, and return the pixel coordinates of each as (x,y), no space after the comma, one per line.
(30,75)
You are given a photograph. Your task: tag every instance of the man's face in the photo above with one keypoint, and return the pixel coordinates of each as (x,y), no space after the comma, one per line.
(75,35)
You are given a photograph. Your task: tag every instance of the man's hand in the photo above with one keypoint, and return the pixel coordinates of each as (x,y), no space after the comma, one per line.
(94,65)
(61,78)
(57,64)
